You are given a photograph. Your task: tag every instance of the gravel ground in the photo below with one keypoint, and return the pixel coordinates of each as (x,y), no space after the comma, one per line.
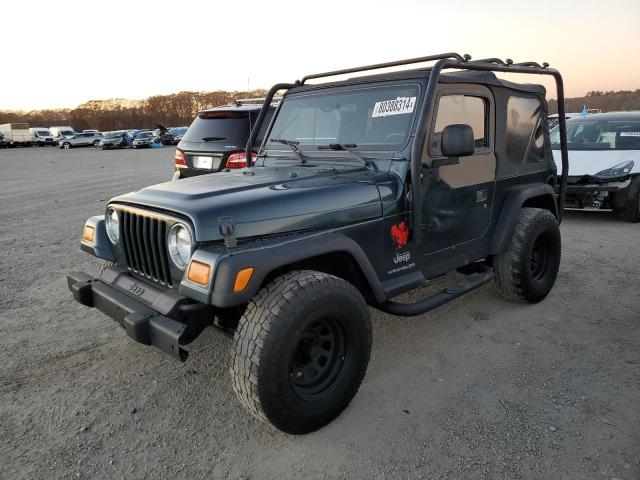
(481,388)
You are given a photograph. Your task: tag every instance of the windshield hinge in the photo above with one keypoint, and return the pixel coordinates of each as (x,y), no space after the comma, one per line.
(227,230)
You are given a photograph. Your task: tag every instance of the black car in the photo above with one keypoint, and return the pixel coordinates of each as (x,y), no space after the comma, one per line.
(364,189)
(4,143)
(217,139)
(169,136)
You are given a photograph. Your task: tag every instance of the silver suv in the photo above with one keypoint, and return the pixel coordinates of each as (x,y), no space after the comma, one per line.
(81,140)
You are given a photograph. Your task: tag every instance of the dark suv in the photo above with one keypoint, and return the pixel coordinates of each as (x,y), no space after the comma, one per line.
(217,139)
(363,189)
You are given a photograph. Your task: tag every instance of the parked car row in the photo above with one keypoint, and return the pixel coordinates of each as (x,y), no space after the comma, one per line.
(20,134)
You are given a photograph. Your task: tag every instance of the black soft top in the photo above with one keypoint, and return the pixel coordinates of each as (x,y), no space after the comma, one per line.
(479,77)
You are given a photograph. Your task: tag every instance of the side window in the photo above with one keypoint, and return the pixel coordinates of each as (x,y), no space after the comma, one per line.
(465,109)
(525,132)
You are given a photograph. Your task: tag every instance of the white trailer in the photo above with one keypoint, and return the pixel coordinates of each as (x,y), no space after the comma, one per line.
(16,134)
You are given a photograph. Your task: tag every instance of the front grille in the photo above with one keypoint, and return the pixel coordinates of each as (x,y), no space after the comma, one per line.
(145,245)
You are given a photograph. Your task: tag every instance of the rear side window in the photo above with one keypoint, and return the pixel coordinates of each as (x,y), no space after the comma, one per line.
(463,109)
(525,133)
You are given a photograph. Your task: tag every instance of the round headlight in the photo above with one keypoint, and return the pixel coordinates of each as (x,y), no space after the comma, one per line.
(112,225)
(180,245)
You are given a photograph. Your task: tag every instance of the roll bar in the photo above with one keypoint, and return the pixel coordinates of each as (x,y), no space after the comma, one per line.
(450,60)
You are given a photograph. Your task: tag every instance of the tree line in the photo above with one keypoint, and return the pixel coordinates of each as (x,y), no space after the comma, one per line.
(607,101)
(177,109)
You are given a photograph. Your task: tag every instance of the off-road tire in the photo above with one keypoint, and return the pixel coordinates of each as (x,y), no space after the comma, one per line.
(527,269)
(269,344)
(630,212)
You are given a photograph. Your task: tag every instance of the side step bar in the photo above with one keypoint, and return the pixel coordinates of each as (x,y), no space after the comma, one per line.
(473,281)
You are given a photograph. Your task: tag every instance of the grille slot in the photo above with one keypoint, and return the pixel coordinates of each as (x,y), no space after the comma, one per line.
(145,246)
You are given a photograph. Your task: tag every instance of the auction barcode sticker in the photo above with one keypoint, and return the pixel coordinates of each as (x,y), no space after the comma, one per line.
(394,107)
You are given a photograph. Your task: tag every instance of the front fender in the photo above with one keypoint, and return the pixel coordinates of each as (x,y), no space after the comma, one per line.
(101,246)
(264,258)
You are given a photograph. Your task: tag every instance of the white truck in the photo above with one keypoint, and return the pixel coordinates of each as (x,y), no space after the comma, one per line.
(16,134)
(59,131)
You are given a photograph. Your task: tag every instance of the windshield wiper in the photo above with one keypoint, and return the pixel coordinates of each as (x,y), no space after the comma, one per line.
(213,139)
(346,147)
(293,145)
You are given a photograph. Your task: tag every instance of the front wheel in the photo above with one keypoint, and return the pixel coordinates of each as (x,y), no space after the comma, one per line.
(66,146)
(301,350)
(528,268)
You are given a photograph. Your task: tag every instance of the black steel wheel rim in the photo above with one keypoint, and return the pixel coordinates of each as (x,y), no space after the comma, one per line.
(540,257)
(319,359)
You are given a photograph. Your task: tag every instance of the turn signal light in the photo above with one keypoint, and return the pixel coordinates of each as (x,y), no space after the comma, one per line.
(199,272)
(238,160)
(88,234)
(242,279)
(180,158)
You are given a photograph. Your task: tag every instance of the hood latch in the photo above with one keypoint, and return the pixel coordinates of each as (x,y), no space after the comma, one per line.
(227,230)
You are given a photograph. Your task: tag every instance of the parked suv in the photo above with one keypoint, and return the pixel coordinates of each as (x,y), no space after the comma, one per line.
(364,189)
(604,163)
(80,140)
(217,139)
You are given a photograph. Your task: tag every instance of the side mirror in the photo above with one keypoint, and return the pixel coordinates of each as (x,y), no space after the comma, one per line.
(457,141)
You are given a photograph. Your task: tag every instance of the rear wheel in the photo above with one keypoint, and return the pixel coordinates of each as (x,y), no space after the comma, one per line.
(630,212)
(528,268)
(301,350)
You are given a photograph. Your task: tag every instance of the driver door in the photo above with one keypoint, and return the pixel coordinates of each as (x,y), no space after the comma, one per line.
(458,198)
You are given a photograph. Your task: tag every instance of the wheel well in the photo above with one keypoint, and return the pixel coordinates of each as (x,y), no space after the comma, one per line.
(546,202)
(339,264)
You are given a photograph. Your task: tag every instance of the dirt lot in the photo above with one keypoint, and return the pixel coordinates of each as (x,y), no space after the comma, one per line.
(480,388)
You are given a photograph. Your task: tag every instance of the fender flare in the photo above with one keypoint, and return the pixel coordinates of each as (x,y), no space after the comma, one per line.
(513,202)
(266,258)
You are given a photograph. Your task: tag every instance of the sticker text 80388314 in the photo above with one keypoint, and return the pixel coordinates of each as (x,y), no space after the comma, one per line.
(397,106)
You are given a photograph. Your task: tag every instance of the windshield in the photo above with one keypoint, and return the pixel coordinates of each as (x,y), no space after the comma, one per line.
(44,133)
(374,118)
(113,134)
(178,130)
(590,134)
(145,135)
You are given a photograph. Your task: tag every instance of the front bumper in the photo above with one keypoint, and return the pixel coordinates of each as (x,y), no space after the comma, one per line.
(149,315)
(597,195)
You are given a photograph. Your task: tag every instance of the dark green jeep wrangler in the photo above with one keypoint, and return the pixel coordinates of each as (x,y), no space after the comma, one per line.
(363,189)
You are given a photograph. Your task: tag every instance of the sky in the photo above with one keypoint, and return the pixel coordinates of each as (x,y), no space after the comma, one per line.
(63,54)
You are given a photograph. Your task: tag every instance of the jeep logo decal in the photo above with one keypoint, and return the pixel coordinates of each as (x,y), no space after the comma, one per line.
(400,234)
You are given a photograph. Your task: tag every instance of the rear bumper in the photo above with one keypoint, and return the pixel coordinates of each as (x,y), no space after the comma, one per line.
(150,316)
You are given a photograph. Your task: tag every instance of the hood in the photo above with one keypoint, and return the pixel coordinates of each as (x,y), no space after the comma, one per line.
(268,200)
(590,162)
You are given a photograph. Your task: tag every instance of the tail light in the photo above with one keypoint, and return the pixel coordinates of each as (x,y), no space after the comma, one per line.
(180,158)
(239,160)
